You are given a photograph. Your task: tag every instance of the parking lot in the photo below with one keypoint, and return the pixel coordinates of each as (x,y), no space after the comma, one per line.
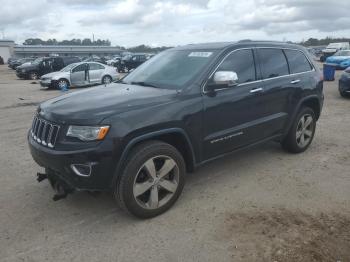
(261,204)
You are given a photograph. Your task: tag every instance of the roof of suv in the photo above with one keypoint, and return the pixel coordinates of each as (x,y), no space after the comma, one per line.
(224,45)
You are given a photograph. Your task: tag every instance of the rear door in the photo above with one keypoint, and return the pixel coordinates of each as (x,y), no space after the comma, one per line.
(95,71)
(278,86)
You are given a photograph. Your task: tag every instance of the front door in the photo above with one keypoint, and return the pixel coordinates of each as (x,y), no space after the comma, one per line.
(236,116)
(80,75)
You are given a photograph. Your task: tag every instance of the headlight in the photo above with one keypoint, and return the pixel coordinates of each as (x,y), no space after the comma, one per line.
(88,133)
(23,70)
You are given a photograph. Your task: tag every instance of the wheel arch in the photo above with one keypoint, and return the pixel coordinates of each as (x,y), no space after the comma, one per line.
(176,137)
(313,102)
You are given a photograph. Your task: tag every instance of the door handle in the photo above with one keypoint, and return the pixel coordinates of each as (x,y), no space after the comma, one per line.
(256,90)
(295,81)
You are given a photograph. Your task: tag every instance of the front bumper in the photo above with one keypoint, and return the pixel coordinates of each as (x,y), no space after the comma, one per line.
(21,74)
(46,83)
(59,164)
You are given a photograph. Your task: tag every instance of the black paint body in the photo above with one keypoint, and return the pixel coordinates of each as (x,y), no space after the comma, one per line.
(202,125)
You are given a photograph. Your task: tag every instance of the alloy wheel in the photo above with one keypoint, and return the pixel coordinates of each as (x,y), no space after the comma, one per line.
(305,130)
(156,182)
(62,84)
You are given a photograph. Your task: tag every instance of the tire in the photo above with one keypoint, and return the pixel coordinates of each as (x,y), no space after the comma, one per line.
(106,80)
(33,76)
(141,187)
(61,83)
(301,135)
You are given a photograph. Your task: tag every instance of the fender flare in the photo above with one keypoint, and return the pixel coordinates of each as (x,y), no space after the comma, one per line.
(148,136)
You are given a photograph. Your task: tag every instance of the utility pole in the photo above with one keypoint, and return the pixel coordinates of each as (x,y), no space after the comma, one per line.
(93,38)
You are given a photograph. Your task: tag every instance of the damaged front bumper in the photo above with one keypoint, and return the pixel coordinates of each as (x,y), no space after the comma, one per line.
(80,170)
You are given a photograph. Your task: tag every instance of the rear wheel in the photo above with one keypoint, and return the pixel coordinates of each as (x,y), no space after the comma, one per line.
(302,131)
(106,80)
(152,180)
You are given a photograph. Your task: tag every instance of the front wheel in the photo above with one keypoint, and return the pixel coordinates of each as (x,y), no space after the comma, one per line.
(302,131)
(62,84)
(34,76)
(152,179)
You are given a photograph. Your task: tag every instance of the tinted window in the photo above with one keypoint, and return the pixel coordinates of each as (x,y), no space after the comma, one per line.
(273,62)
(241,62)
(79,68)
(94,66)
(297,61)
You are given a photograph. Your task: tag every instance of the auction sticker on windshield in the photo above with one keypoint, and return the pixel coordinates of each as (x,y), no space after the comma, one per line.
(200,54)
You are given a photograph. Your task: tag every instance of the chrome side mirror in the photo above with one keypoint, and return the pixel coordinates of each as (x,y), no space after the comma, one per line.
(228,78)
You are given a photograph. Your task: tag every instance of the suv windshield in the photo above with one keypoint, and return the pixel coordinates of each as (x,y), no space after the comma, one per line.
(37,61)
(171,69)
(343,53)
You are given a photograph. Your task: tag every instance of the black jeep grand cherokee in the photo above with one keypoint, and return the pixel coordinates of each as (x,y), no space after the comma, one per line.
(179,110)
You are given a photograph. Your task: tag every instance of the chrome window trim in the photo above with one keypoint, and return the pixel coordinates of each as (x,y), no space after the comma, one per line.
(261,80)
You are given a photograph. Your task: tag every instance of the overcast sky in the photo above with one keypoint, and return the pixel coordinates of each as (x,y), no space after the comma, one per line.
(174,22)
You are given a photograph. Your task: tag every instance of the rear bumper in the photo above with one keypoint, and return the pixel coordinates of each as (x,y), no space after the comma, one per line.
(59,164)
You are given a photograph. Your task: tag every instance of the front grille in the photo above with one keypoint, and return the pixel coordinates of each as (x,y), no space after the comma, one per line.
(43,132)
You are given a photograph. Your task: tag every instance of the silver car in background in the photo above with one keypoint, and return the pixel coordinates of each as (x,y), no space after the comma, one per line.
(80,74)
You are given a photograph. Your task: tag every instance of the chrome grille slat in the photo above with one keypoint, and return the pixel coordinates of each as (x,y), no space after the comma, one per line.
(44,132)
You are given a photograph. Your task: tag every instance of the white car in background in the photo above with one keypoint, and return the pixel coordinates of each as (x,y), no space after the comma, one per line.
(80,74)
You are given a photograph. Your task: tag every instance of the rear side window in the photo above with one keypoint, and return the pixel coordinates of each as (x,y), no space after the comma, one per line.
(94,66)
(273,62)
(241,62)
(298,62)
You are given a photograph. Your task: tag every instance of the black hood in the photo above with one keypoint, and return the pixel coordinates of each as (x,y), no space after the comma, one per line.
(94,104)
(28,67)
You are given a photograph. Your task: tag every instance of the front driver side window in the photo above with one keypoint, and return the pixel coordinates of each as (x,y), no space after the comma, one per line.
(241,62)
(79,68)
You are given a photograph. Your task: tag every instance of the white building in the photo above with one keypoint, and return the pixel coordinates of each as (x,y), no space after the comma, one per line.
(9,48)
(6,49)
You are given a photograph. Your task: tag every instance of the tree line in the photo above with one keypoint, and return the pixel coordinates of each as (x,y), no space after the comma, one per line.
(88,42)
(324,41)
(74,41)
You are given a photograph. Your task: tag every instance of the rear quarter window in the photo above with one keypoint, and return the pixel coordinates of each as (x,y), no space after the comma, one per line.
(273,62)
(297,61)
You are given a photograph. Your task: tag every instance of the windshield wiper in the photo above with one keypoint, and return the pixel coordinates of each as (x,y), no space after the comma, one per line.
(143,84)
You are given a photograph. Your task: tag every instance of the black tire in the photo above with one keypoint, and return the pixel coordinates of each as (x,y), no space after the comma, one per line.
(33,76)
(293,142)
(107,80)
(133,168)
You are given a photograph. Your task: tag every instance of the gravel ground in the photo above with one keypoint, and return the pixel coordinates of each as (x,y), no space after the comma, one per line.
(257,205)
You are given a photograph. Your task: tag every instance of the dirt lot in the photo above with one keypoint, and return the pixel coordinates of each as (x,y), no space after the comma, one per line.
(258,205)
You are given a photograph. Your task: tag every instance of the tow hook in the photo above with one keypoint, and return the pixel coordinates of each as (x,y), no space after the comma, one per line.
(61,191)
(40,177)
